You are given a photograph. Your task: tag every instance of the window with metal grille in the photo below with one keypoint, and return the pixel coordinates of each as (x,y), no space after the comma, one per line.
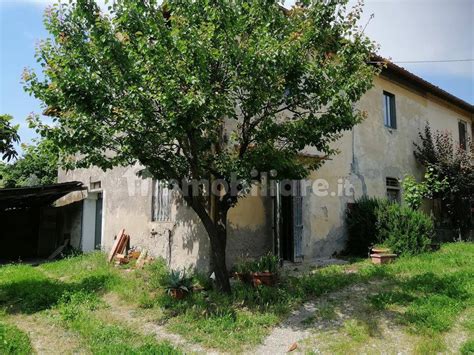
(393,189)
(462,134)
(161,202)
(389,112)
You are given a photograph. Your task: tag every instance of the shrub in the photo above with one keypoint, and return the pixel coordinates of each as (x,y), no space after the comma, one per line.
(361,220)
(403,230)
(376,221)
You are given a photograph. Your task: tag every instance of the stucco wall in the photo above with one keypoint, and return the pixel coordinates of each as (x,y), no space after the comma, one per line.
(370,153)
(183,242)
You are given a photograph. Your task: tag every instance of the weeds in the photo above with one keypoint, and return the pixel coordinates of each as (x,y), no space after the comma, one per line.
(432,289)
(468,347)
(428,292)
(13,341)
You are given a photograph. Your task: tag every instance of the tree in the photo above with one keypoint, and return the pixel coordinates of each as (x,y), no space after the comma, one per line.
(38,165)
(163,84)
(452,165)
(414,192)
(8,137)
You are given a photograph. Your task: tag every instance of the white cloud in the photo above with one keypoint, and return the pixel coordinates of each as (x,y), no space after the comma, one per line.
(424,30)
(411,30)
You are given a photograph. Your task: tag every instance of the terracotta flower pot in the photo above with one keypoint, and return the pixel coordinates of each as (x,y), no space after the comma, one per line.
(243,277)
(177,293)
(380,250)
(383,258)
(263,278)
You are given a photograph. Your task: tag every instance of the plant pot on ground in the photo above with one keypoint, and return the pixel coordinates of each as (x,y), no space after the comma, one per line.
(263,271)
(383,258)
(243,271)
(381,254)
(177,284)
(177,293)
(380,249)
(266,270)
(263,278)
(242,277)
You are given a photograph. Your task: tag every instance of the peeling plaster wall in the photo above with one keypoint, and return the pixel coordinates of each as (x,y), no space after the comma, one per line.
(182,242)
(368,155)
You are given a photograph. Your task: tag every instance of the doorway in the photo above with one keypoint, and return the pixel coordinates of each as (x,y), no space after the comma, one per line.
(288,207)
(98,222)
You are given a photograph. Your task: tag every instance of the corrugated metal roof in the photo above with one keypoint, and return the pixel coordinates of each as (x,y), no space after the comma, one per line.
(36,196)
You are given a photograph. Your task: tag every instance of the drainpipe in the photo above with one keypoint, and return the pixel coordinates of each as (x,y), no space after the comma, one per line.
(170,243)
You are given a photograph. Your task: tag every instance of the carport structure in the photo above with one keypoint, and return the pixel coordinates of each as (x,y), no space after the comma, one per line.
(31,226)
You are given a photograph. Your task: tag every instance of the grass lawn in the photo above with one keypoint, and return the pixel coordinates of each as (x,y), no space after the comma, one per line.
(13,340)
(428,300)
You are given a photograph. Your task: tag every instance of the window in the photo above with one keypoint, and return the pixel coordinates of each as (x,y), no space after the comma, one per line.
(161,202)
(393,189)
(389,114)
(96,185)
(462,134)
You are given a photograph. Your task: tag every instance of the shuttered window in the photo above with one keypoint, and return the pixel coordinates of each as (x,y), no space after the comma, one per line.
(462,134)
(161,202)
(389,112)
(297,221)
(393,189)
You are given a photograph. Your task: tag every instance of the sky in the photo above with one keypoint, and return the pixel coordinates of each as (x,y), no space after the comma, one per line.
(435,33)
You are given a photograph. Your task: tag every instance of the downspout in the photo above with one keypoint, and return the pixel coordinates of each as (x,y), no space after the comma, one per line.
(170,244)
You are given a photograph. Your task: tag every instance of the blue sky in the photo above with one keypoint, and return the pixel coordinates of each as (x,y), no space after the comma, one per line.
(407,30)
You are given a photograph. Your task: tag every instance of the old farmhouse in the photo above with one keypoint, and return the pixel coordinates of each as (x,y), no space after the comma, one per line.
(372,158)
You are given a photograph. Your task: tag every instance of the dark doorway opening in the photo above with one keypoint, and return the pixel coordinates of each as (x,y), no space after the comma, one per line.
(289,222)
(286,231)
(98,222)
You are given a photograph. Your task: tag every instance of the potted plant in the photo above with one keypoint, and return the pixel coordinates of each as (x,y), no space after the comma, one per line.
(243,271)
(266,270)
(379,249)
(177,284)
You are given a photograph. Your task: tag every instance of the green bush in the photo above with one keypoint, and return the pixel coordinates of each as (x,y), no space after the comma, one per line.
(361,220)
(376,221)
(403,230)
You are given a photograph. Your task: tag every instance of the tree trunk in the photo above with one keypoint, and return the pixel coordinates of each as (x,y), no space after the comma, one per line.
(218,255)
(217,232)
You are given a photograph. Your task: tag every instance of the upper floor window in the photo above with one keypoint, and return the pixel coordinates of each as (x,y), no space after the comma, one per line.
(161,202)
(462,134)
(393,189)
(389,114)
(96,185)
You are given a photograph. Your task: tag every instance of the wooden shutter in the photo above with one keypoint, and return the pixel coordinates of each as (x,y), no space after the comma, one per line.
(389,111)
(462,134)
(161,202)
(297,221)
(393,112)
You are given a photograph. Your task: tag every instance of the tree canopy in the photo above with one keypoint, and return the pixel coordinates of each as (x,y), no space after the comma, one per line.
(38,165)
(453,165)
(8,137)
(204,89)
